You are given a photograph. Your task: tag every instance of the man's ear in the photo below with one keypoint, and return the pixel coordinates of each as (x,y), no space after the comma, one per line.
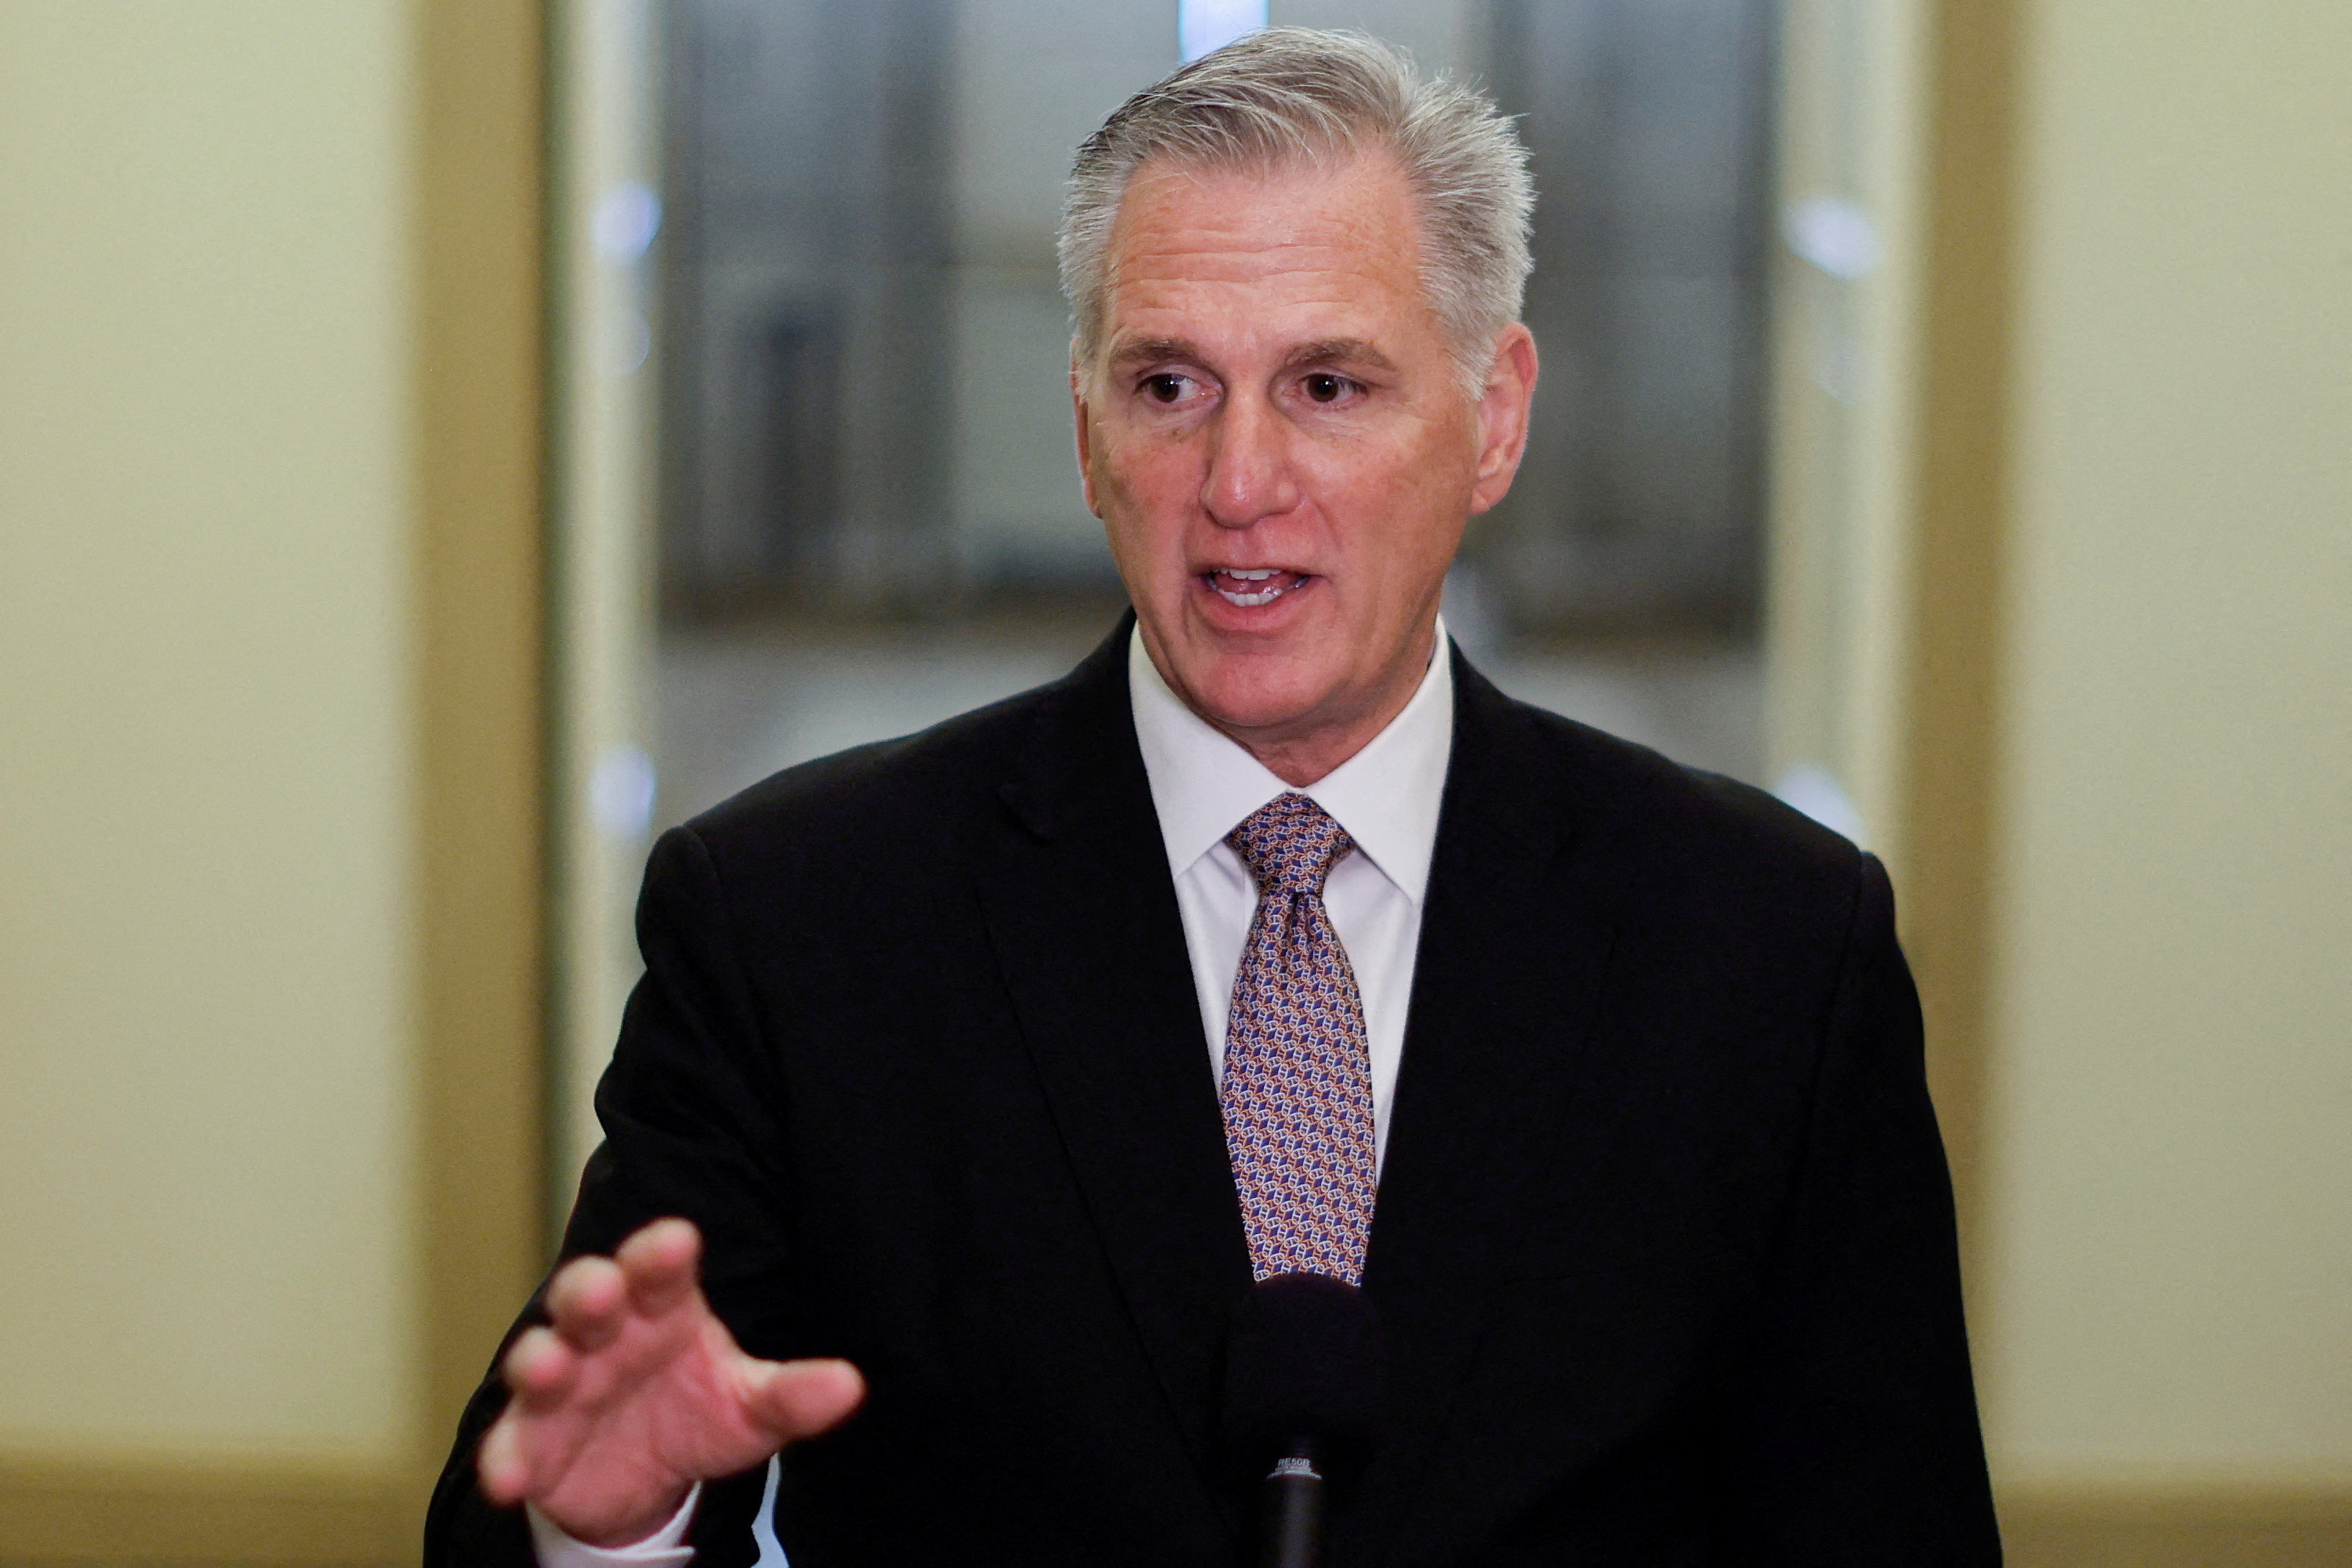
(1503,415)
(1085,431)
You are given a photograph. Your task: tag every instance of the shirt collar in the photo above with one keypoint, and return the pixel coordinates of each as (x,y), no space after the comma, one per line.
(1386,796)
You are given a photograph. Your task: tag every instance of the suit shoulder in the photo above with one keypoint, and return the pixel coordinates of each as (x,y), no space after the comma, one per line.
(898,787)
(1672,818)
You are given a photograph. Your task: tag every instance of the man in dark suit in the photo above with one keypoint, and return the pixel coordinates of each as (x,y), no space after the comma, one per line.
(975,1076)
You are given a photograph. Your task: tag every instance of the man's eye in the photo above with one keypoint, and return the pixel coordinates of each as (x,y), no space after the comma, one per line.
(1324,387)
(1165,387)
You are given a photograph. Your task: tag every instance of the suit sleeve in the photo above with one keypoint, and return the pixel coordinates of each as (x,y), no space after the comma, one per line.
(1856,1420)
(693,1111)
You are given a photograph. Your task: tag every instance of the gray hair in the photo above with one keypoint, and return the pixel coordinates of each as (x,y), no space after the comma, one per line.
(1288,96)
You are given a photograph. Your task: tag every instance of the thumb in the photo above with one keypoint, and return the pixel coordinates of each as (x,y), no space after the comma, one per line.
(797,1399)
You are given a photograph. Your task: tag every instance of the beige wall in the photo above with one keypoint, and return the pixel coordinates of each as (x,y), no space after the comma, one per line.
(269,761)
(2121,707)
(204,785)
(2170,1118)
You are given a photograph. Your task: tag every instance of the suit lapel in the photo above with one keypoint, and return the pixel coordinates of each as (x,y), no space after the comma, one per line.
(1082,915)
(1515,939)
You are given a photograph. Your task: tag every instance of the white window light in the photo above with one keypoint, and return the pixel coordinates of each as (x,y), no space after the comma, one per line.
(1202,25)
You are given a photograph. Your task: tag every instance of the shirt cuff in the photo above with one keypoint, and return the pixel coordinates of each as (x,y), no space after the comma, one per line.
(665,1548)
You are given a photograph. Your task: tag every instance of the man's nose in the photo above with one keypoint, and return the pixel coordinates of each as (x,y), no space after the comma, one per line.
(1249,475)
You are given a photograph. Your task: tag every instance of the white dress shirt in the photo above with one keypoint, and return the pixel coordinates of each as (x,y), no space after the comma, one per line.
(1386,797)
(1203,785)
(665,1548)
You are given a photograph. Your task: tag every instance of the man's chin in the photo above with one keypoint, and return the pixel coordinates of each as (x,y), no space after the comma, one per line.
(1254,704)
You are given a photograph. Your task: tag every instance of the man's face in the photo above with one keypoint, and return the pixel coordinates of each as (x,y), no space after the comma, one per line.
(1275,437)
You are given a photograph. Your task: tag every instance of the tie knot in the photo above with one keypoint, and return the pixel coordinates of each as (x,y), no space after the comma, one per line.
(1290,844)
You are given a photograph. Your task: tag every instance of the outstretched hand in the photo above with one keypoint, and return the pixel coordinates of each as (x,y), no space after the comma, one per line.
(638,1391)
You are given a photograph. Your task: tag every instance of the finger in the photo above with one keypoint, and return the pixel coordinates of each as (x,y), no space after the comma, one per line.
(500,1463)
(541,1369)
(588,1299)
(796,1399)
(660,1263)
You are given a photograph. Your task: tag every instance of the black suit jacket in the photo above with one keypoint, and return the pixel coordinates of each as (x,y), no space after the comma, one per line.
(1663,1244)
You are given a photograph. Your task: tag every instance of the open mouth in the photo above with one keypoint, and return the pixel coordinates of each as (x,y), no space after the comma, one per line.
(1258,585)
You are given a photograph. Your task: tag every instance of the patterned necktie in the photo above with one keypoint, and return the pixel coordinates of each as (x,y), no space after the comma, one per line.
(1298,1083)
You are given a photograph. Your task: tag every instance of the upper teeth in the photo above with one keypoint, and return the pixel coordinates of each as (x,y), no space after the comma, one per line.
(1260,587)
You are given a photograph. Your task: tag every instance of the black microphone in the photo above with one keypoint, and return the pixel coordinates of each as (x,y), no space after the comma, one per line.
(1305,1371)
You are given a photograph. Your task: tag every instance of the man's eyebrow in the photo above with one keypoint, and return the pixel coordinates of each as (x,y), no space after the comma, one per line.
(1323,350)
(1150,351)
(1338,351)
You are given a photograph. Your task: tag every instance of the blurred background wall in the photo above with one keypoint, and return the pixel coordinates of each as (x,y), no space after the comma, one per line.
(269,762)
(324,770)
(208,794)
(2167,1286)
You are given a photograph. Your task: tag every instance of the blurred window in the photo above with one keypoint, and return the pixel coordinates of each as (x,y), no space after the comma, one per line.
(870,511)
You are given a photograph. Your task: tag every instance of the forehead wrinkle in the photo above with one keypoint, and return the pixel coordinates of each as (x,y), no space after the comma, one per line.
(1245,262)
(1330,275)
(1220,234)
